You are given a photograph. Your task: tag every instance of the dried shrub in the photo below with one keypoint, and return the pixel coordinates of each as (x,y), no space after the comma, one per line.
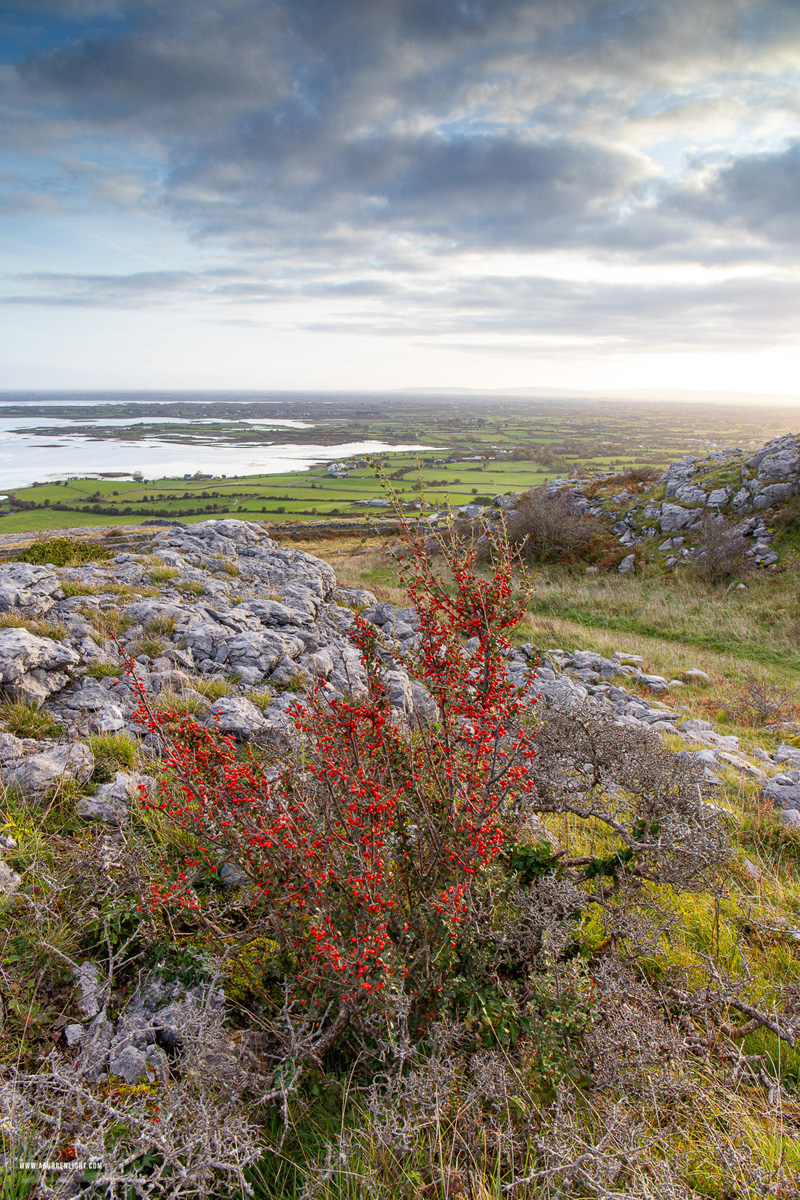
(760,701)
(721,549)
(187,1134)
(635,479)
(626,783)
(547,526)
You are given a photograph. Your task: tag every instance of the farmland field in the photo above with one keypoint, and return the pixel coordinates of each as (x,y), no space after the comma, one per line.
(471,450)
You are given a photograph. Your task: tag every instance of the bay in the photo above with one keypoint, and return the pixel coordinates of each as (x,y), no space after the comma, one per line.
(28,457)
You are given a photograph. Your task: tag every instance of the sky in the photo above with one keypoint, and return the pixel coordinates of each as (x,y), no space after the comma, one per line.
(377,194)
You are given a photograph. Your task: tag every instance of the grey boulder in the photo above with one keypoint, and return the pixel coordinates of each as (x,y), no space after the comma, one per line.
(111,802)
(673,518)
(9,880)
(237,716)
(783,795)
(28,589)
(39,773)
(33,668)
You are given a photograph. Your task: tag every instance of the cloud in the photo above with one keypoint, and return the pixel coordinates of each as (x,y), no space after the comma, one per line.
(760,192)
(137,289)
(372,158)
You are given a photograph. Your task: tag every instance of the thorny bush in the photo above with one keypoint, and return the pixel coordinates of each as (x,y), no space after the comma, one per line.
(368,855)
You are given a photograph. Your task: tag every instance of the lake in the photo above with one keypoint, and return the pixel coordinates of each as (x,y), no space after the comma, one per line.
(28,457)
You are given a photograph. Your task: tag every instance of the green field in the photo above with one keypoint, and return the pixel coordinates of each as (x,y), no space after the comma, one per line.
(484,447)
(306,494)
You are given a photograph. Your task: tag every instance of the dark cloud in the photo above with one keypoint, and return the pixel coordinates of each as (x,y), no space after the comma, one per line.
(760,192)
(343,150)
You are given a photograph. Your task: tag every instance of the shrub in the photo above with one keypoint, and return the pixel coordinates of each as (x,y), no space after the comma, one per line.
(402,873)
(546,526)
(759,701)
(634,479)
(721,549)
(368,859)
(61,552)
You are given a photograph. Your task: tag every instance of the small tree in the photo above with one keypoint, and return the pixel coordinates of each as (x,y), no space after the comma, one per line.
(721,550)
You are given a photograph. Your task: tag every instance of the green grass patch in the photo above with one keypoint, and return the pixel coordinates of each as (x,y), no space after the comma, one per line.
(26,720)
(112,752)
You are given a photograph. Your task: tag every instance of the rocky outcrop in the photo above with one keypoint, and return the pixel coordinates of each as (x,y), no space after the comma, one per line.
(268,618)
(726,483)
(269,624)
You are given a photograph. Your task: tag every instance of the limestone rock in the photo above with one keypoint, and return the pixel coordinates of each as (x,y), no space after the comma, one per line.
(28,589)
(237,716)
(9,880)
(695,675)
(111,802)
(33,668)
(656,683)
(674,517)
(787,754)
(95,1043)
(92,993)
(39,773)
(784,795)
(695,725)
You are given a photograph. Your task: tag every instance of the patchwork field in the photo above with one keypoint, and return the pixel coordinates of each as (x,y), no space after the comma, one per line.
(484,447)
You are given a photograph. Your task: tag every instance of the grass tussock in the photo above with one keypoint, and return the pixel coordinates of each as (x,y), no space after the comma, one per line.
(112,752)
(26,720)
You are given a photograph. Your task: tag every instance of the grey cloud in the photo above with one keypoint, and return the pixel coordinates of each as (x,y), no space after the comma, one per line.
(140,288)
(469,312)
(762,192)
(723,315)
(327,144)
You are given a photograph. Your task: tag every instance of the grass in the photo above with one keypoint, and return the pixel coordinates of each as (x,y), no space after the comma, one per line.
(103,670)
(163,574)
(214,687)
(675,622)
(109,622)
(151,644)
(49,629)
(112,752)
(26,720)
(78,589)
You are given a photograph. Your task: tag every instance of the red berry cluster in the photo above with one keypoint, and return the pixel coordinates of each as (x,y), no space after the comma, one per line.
(363,855)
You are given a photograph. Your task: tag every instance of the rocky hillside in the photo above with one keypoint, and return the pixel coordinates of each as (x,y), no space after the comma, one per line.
(223,622)
(754,493)
(226,624)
